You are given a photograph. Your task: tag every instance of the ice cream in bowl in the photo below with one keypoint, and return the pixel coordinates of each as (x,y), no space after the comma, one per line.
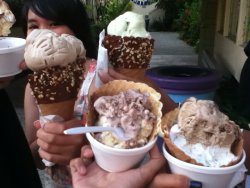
(11,48)
(11,55)
(202,143)
(135,107)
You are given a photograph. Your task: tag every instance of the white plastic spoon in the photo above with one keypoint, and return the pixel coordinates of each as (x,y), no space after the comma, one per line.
(80,130)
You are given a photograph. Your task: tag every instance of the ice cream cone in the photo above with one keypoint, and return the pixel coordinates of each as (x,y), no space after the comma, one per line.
(129,52)
(129,56)
(117,86)
(129,45)
(58,99)
(64,109)
(57,72)
(170,119)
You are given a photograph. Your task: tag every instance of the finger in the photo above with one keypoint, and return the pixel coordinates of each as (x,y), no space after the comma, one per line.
(55,149)
(23,65)
(55,158)
(59,127)
(155,163)
(77,166)
(169,180)
(116,75)
(104,76)
(37,124)
(59,139)
(87,152)
(87,155)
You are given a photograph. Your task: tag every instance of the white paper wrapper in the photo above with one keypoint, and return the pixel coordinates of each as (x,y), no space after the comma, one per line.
(46,119)
(81,103)
(102,59)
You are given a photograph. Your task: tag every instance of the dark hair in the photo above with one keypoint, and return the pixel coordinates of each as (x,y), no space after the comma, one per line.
(68,12)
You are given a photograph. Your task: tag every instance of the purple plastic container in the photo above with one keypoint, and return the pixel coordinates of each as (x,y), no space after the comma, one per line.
(181,82)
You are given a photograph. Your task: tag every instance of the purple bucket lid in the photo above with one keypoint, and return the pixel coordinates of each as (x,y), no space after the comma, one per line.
(185,78)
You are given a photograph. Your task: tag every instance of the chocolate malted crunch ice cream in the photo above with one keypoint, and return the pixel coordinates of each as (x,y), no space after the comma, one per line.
(200,134)
(135,107)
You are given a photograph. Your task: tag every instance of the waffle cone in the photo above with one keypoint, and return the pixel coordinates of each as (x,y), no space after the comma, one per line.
(169,120)
(117,86)
(64,109)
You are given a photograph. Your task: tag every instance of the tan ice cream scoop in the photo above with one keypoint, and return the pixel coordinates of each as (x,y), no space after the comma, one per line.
(47,49)
(7,18)
(200,122)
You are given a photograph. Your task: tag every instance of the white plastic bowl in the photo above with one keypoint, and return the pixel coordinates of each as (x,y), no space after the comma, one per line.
(117,160)
(210,177)
(11,55)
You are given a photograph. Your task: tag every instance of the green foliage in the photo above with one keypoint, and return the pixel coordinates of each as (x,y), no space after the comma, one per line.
(188,22)
(171,9)
(225,98)
(158,25)
(111,10)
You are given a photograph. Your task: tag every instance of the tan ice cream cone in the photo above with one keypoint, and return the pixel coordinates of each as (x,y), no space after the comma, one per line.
(57,65)
(117,86)
(169,119)
(64,109)
(55,90)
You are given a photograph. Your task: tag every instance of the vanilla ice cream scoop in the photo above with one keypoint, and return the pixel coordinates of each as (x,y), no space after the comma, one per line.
(129,24)
(45,48)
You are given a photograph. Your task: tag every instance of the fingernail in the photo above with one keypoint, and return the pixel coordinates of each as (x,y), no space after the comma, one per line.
(37,124)
(195,184)
(22,66)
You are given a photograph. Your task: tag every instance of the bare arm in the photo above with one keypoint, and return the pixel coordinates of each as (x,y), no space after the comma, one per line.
(31,114)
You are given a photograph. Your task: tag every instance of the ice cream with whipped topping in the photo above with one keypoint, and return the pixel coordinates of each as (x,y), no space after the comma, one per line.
(57,64)
(7,18)
(135,107)
(201,134)
(129,24)
(129,45)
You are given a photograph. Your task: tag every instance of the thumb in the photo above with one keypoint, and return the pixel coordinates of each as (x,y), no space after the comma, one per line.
(23,65)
